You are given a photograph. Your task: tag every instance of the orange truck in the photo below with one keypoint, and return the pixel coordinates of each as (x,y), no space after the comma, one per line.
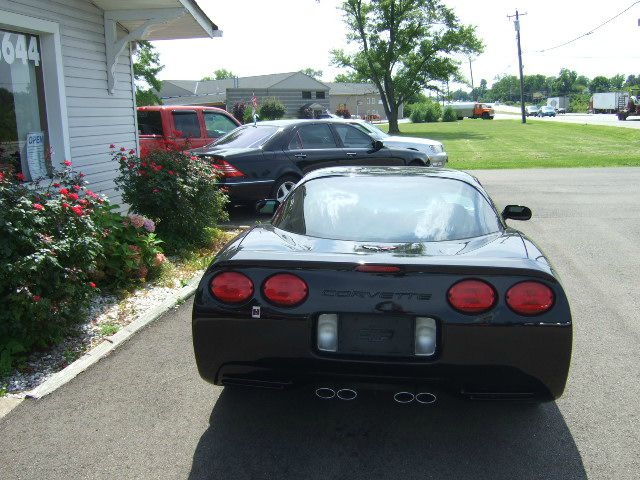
(472,110)
(190,125)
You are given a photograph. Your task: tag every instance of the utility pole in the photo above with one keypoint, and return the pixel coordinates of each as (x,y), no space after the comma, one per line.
(472,88)
(516,23)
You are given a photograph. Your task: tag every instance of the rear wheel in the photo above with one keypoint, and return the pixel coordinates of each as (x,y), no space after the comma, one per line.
(283,186)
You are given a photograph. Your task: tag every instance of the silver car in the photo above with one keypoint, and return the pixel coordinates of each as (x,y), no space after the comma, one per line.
(434,149)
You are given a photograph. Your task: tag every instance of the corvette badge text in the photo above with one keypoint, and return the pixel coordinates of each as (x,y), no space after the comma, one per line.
(380,295)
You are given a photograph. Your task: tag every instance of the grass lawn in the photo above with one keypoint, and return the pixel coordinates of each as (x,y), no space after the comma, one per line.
(509,144)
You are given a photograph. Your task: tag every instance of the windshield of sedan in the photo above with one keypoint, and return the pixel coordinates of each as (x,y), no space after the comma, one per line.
(372,130)
(248,136)
(387,209)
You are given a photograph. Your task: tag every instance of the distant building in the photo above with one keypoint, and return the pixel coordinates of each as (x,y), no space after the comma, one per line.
(362,99)
(294,90)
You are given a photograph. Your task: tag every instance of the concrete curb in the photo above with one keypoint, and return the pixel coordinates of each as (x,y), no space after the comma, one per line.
(93,356)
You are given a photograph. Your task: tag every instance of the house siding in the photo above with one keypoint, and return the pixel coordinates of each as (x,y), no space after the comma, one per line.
(95,117)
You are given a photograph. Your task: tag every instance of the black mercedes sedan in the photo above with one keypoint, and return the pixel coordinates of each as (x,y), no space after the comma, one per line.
(267,159)
(402,280)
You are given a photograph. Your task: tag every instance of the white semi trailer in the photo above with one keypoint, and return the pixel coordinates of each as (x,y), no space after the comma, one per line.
(608,102)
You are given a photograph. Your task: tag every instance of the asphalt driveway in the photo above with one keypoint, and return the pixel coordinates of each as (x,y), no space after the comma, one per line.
(143,412)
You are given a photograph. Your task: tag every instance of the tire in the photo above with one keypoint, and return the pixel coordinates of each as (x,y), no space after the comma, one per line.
(283,186)
(485,116)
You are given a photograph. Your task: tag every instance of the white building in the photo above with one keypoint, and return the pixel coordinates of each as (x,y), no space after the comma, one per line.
(66,78)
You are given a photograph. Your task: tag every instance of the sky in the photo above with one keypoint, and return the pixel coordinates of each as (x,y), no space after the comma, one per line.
(274,36)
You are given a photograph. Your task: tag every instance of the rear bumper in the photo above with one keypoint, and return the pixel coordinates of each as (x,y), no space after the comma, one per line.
(478,361)
(247,191)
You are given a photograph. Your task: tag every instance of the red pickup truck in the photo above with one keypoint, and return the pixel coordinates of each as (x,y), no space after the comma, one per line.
(197,125)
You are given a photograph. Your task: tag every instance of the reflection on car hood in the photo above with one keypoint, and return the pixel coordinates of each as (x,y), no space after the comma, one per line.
(267,244)
(221,151)
(408,140)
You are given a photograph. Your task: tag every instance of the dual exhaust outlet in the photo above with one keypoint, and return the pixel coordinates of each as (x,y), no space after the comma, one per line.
(424,398)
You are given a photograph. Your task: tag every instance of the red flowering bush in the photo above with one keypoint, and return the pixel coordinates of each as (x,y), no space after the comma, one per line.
(49,244)
(178,191)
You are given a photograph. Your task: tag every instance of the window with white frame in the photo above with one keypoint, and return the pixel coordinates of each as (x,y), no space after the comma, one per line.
(34,125)
(23,123)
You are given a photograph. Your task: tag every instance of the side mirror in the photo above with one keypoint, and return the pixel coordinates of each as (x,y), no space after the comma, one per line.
(377,144)
(516,212)
(267,206)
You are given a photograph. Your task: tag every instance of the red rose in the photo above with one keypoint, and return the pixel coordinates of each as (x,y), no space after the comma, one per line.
(122,149)
(63,191)
(112,146)
(156,190)
(37,298)
(93,285)
(77,210)
(81,174)
(73,196)
(143,164)
(56,185)
(67,163)
(170,172)
(123,159)
(38,206)
(132,151)
(20,176)
(77,188)
(65,205)
(158,168)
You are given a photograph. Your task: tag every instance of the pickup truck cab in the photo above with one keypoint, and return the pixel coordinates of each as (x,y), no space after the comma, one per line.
(199,126)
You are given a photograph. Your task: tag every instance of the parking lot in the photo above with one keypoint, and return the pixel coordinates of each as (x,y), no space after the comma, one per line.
(143,412)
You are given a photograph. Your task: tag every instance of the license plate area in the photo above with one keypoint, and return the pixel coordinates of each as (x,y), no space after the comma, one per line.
(376,335)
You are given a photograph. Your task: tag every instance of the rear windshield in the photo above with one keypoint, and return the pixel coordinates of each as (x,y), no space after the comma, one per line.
(387,209)
(247,137)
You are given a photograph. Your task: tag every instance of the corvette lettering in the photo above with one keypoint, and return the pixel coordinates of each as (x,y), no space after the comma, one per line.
(375,295)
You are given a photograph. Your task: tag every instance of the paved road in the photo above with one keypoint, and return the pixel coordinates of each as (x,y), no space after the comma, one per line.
(143,412)
(581,118)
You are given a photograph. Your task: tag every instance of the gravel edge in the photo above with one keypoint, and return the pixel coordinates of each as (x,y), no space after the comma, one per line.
(72,370)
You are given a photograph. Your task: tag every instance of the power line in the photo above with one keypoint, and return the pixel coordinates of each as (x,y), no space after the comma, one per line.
(590,31)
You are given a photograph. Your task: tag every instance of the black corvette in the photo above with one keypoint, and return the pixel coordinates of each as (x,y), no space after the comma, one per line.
(268,159)
(405,280)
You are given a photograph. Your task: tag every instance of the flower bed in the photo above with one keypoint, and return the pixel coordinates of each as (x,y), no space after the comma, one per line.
(62,244)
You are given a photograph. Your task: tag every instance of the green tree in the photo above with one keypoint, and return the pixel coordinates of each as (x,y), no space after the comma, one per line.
(146,66)
(617,81)
(351,77)
(317,74)
(599,84)
(219,74)
(404,45)
(564,83)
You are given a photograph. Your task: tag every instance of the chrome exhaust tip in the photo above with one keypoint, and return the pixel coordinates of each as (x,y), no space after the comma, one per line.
(404,397)
(347,394)
(325,393)
(426,398)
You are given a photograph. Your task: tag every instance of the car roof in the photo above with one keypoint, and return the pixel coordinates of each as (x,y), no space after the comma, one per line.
(395,172)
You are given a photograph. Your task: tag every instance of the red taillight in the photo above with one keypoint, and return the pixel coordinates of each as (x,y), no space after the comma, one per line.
(472,296)
(227,169)
(285,290)
(530,298)
(231,287)
(377,268)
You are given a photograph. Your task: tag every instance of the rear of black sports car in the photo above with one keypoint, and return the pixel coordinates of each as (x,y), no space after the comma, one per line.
(406,280)
(484,332)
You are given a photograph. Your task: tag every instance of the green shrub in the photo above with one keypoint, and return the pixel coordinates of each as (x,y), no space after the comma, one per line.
(433,111)
(579,102)
(130,248)
(239,109)
(271,109)
(248,115)
(178,191)
(49,247)
(418,113)
(449,114)
(305,112)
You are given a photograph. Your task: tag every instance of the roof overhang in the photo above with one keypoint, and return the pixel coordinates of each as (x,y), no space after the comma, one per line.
(150,20)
